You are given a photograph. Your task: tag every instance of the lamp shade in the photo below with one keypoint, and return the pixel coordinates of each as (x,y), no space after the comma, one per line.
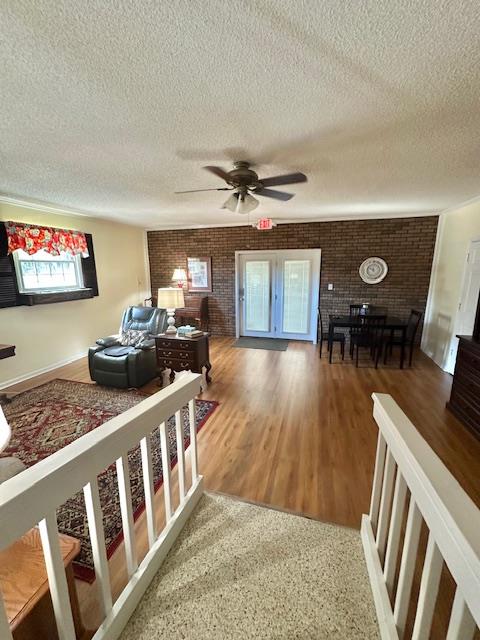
(179,274)
(169,298)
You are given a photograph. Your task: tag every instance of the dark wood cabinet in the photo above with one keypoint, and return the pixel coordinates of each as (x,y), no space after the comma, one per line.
(465,395)
(178,353)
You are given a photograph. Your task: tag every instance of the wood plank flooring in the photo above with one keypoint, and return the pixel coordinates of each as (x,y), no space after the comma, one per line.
(297,433)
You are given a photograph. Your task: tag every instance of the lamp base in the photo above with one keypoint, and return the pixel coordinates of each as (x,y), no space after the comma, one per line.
(171,321)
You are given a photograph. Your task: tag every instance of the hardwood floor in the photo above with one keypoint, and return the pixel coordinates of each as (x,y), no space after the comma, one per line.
(297,433)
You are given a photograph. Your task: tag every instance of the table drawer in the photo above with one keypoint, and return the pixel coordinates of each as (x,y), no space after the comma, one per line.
(163,344)
(173,353)
(468,357)
(175,363)
(463,401)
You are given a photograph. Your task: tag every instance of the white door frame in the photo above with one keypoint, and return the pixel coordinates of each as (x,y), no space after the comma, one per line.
(315,281)
(449,365)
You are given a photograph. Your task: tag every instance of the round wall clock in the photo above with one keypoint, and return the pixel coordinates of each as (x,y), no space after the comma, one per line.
(373,270)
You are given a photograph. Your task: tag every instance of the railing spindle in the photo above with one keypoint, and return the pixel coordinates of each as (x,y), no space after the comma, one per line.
(432,572)
(193,440)
(166,471)
(377,481)
(180,454)
(146,452)
(57,579)
(407,566)
(97,539)
(5,632)
(383,517)
(125,495)
(462,625)
(394,532)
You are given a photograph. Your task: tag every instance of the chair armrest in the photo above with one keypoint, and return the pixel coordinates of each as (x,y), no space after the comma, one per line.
(109,341)
(147,345)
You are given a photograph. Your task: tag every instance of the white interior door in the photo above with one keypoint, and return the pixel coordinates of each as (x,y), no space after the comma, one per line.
(256,295)
(278,294)
(296,316)
(470,291)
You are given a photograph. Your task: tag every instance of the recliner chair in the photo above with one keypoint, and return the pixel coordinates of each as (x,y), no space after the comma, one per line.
(115,365)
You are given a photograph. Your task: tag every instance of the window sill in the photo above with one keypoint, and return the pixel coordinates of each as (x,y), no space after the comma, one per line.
(56,296)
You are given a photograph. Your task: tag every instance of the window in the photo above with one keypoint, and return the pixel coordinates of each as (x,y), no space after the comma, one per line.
(44,273)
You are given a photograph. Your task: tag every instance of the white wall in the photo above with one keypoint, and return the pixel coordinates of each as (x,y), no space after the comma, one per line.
(46,335)
(457,228)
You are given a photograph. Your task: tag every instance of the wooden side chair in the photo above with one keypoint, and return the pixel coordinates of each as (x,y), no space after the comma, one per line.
(368,335)
(396,341)
(337,337)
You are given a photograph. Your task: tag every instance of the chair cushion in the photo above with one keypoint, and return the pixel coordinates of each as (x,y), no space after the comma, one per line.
(134,337)
(102,361)
(9,467)
(117,352)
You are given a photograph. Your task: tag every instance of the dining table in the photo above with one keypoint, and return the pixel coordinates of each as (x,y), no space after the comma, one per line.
(392,324)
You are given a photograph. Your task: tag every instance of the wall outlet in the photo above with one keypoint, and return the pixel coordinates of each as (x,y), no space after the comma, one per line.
(330,286)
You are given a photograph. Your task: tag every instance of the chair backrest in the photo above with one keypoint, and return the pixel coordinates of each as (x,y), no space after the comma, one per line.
(320,324)
(371,326)
(151,319)
(356,309)
(413,323)
(5,432)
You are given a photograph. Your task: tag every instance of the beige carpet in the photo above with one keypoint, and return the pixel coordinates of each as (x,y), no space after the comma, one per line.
(242,571)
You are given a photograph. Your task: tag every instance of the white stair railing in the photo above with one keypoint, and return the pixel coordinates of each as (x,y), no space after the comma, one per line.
(406,464)
(33,496)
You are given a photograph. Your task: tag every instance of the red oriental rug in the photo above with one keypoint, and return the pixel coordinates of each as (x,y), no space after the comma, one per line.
(47,418)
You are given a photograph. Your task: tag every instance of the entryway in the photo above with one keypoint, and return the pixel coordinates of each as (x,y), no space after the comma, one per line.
(277,293)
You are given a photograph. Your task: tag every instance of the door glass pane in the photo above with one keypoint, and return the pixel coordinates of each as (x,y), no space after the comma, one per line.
(257,295)
(296,296)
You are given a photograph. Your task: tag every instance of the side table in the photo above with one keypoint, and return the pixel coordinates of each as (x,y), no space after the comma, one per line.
(179,353)
(24,585)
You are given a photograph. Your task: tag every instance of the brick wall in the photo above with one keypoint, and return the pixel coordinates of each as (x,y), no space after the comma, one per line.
(406,244)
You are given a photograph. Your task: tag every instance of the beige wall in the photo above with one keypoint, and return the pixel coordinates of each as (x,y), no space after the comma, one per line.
(48,334)
(457,228)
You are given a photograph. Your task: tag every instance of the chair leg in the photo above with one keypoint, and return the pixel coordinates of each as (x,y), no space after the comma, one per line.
(379,354)
(356,361)
(411,355)
(388,347)
(321,345)
(342,344)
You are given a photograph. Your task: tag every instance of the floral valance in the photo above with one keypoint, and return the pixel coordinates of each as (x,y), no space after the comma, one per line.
(32,238)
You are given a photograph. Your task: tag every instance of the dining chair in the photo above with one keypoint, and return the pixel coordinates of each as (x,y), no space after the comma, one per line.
(356,309)
(396,341)
(337,337)
(368,335)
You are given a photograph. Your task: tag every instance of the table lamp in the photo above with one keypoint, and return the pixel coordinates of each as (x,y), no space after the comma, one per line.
(180,277)
(170,299)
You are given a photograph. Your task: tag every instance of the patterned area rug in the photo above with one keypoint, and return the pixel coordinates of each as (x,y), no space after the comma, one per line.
(47,418)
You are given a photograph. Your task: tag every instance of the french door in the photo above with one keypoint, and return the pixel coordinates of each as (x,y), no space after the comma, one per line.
(277,293)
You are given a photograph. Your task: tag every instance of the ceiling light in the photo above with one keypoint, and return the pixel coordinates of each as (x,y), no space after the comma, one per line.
(231,203)
(246,203)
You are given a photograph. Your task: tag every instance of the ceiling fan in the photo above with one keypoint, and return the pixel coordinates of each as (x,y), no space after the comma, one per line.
(243,182)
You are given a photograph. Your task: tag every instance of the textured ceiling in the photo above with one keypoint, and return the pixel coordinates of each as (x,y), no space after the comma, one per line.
(109,107)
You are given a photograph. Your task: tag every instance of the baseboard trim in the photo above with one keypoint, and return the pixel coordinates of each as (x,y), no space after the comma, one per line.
(38,372)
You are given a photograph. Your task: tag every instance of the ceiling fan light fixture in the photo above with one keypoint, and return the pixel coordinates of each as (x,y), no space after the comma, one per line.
(231,203)
(246,203)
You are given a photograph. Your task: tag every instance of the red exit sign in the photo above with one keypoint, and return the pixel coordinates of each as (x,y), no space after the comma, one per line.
(265,224)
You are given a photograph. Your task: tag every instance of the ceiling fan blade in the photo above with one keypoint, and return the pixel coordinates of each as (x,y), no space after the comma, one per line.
(218,171)
(273,193)
(196,190)
(288,178)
